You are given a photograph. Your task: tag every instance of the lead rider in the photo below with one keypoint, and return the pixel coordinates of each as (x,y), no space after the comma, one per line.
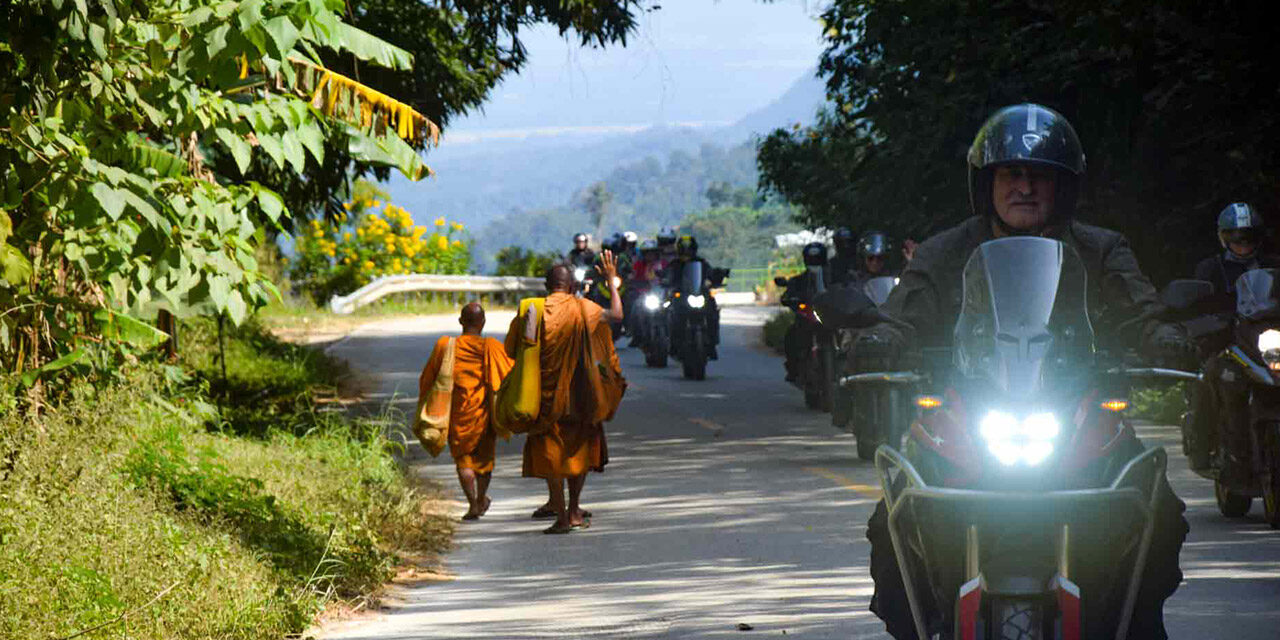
(1025,168)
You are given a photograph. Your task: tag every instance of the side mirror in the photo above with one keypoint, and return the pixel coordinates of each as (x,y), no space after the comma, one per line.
(780,281)
(1183,294)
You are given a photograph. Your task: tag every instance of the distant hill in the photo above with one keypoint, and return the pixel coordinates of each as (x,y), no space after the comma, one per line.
(498,183)
(797,105)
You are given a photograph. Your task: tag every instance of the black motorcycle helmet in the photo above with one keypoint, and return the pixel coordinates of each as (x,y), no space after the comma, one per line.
(845,241)
(1240,223)
(814,254)
(1026,133)
(687,247)
(580,238)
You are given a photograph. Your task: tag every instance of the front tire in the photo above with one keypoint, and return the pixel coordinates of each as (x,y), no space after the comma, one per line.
(867,448)
(1231,505)
(694,361)
(1017,620)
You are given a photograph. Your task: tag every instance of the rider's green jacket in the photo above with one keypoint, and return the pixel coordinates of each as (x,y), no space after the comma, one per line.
(929,294)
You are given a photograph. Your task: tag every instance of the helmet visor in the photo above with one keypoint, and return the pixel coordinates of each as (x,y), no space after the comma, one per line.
(1250,237)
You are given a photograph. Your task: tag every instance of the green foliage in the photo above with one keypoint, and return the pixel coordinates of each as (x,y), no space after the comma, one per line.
(108,202)
(775,330)
(372,240)
(1163,404)
(1172,102)
(518,261)
(646,195)
(125,492)
(736,236)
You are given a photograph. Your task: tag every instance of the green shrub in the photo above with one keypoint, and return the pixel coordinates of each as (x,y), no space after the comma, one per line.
(775,329)
(130,490)
(1162,404)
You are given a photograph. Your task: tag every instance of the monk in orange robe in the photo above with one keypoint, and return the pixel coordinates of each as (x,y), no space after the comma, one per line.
(560,448)
(479,364)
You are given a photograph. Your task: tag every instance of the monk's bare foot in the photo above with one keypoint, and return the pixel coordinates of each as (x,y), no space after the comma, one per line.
(545,511)
(470,515)
(581,514)
(485,507)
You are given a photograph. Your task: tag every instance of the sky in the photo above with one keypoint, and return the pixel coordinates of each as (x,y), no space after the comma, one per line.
(699,62)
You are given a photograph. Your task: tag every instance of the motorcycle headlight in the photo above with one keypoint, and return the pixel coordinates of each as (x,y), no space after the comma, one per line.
(1010,440)
(652,302)
(579,273)
(1269,345)
(696,302)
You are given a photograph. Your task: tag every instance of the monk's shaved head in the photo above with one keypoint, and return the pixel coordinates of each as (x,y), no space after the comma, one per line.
(472,317)
(559,278)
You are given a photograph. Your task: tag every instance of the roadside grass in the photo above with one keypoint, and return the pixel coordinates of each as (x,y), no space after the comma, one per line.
(137,500)
(775,329)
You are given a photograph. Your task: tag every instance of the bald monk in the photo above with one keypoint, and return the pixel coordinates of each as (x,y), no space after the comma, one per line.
(560,448)
(479,364)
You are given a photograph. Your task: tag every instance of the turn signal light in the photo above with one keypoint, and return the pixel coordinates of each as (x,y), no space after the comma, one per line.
(677,294)
(928,402)
(803,306)
(1115,405)
(1274,366)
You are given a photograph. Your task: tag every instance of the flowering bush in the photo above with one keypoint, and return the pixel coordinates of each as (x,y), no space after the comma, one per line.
(373,239)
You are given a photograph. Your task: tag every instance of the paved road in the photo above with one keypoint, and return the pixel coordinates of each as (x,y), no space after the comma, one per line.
(725,502)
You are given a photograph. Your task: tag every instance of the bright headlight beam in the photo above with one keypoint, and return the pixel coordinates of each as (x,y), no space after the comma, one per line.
(697,301)
(1269,340)
(579,273)
(651,302)
(1011,440)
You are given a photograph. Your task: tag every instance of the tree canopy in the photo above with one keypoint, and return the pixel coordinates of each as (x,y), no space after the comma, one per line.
(1172,101)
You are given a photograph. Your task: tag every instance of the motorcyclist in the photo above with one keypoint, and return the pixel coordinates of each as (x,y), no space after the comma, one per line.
(581,255)
(667,243)
(803,287)
(687,252)
(1025,167)
(844,266)
(1241,232)
(873,256)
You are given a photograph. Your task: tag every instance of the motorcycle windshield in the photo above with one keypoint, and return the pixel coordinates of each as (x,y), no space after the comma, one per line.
(878,289)
(1256,296)
(691,278)
(1024,316)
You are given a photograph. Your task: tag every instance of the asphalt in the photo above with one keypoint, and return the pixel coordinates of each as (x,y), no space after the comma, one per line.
(725,503)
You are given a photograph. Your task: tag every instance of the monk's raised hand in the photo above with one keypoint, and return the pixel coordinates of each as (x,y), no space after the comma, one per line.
(609,264)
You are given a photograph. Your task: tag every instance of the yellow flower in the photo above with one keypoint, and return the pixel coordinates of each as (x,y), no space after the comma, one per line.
(375,204)
(457,226)
(346,206)
(368,265)
(346,236)
(457,243)
(440,222)
(443,242)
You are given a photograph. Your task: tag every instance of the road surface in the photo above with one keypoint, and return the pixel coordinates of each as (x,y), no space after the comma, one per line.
(725,502)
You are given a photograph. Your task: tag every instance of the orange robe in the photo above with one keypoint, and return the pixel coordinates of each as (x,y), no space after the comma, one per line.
(564,447)
(479,364)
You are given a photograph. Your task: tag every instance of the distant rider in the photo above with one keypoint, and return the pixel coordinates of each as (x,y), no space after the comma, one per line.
(1025,167)
(1241,232)
(873,256)
(686,253)
(581,255)
(844,266)
(803,287)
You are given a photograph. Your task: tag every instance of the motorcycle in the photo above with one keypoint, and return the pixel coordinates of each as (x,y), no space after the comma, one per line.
(817,373)
(875,413)
(692,313)
(1026,496)
(584,280)
(655,340)
(1252,359)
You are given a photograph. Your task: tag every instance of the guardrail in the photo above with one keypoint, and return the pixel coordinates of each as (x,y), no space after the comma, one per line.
(388,285)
